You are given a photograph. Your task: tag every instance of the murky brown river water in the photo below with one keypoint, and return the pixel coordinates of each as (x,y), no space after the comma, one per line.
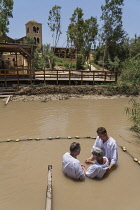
(24,165)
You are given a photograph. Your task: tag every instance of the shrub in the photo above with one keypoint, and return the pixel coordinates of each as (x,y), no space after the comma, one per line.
(134,115)
(130,73)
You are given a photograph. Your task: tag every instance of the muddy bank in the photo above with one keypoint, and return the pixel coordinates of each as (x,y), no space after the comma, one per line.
(52,92)
(46,98)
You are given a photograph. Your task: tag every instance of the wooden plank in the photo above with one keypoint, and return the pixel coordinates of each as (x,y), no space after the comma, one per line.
(8,99)
(48,205)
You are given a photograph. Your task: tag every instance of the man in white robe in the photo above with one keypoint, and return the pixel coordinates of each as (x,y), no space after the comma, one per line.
(109,146)
(70,165)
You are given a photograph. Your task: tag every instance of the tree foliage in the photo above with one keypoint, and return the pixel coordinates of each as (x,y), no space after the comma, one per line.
(54,22)
(134,47)
(6,9)
(75,29)
(44,58)
(81,33)
(130,74)
(112,34)
(29,40)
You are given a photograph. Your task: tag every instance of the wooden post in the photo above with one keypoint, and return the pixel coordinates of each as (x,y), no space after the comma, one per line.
(44,75)
(18,78)
(5,77)
(69,76)
(93,78)
(81,77)
(57,78)
(30,76)
(105,76)
(116,76)
(48,205)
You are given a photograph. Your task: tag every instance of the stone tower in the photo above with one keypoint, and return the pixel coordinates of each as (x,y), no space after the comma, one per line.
(34,30)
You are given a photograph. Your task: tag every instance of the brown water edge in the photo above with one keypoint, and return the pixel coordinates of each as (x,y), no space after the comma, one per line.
(54,97)
(24,165)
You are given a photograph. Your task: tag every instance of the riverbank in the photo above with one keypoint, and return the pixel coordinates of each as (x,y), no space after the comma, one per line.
(46,98)
(60,92)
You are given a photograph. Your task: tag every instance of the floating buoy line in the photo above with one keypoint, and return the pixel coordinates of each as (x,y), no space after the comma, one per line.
(68,137)
(134,158)
(48,138)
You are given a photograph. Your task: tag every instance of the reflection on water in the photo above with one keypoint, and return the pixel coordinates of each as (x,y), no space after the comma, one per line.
(24,165)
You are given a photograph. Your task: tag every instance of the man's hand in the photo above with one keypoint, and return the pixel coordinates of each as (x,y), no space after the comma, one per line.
(83,167)
(88,160)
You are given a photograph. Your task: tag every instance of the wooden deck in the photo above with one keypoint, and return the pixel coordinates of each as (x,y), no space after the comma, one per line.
(16,76)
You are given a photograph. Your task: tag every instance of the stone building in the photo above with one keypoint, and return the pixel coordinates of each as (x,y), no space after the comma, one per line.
(34,30)
(16,51)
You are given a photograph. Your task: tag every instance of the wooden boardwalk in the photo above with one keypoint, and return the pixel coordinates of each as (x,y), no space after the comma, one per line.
(16,76)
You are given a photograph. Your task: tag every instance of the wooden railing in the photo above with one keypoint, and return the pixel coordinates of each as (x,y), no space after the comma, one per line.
(31,75)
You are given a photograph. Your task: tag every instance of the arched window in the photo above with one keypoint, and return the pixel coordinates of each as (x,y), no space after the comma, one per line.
(34,29)
(35,40)
(37,30)
(38,40)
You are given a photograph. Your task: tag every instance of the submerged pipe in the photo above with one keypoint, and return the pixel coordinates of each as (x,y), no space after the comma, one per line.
(48,205)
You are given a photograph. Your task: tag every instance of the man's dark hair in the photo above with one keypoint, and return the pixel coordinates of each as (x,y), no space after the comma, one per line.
(101,130)
(74,147)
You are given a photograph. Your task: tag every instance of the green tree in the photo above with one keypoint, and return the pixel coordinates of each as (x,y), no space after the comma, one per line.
(130,74)
(134,47)
(81,34)
(75,30)
(44,58)
(90,32)
(6,9)
(54,22)
(29,40)
(38,59)
(112,30)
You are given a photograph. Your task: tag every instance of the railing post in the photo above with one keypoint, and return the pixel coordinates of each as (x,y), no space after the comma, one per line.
(116,76)
(44,75)
(69,77)
(30,76)
(57,78)
(5,78)
(93,77)
(18,78)
(81,77)
(105,75)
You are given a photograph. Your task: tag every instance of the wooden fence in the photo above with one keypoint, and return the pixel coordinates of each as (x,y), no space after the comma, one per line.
(18,76)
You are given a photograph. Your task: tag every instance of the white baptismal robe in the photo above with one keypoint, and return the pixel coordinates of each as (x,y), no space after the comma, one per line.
(72,167)
(97,170)
(109,147)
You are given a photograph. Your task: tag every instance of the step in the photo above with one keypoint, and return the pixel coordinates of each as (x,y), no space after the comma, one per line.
(5,96)
(2,94)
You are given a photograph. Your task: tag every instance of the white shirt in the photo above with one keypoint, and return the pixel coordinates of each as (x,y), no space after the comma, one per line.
(72,167)
(97,170)
(109,147)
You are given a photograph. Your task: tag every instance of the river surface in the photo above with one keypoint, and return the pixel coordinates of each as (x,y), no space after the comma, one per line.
(24,164)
